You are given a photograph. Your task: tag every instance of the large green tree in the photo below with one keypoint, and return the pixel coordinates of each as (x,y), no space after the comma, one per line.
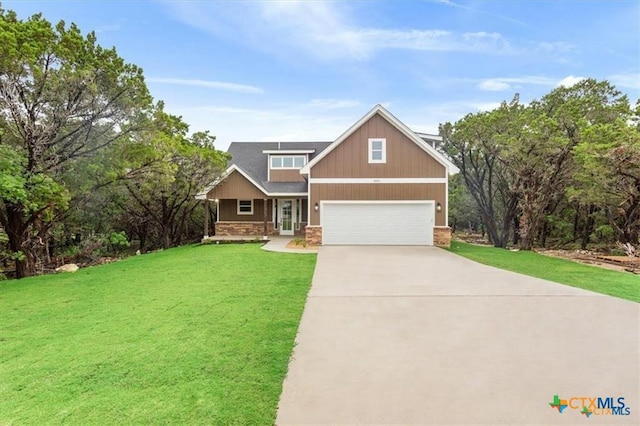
(539,146)
(609,174)
(476,144)
(163,170)
(576,148)
(62,98)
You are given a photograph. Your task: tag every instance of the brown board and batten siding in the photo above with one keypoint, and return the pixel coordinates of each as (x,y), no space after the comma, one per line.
(380,191)
(235,186)
(404,158)
(286,175)
(229,211)
(304,209)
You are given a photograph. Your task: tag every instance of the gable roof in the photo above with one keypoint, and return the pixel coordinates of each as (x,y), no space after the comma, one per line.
(379,109)
(248,159)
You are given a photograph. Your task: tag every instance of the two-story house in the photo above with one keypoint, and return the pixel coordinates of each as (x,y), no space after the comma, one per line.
(377,183)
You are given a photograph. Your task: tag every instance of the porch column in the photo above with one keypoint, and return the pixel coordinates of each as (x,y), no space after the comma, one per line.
(264,217)
(206,218)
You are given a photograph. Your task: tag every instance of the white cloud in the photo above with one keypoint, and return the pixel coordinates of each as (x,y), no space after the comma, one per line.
(109,28)
(323,30)
(629,81)
(473,8)
(555,47)
(312,120)
(209,84)
(333,103)
(569,81)
(494,85)
(507,83)
(484,106)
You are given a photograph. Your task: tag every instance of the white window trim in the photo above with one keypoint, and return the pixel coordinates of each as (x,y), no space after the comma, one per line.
(244,213)
(293,167)
(377,180)
(384,150)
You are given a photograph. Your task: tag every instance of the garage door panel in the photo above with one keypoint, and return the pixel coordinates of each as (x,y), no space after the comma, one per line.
(377,223)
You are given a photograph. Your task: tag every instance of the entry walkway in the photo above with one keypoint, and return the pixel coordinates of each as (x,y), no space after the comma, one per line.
(279,244)
(417,335)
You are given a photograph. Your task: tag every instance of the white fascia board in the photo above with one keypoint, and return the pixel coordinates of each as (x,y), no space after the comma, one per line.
(239,170)
(341,138)
(289,151)
(448,165)
(308,203)
(429,136)
(377,202)
(203,195)
(287,194)
(446,204)
(377,180)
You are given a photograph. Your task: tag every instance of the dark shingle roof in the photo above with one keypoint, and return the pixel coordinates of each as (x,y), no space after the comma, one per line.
(285,187)
(248,156)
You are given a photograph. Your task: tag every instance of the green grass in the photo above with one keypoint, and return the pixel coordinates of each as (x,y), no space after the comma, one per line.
(619,284)
(193,335)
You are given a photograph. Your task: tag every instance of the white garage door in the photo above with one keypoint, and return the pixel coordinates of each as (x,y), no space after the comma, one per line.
(391,223)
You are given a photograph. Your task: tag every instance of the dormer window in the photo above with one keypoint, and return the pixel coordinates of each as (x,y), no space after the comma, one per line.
(288,161)
(377,150)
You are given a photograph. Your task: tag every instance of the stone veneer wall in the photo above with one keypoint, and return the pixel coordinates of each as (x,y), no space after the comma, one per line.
(442,236)
(300,232)
(313,235)
(244,229)
(225,229)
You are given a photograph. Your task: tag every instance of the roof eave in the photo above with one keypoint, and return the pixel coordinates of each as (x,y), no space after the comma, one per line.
(448,165)
(203,194)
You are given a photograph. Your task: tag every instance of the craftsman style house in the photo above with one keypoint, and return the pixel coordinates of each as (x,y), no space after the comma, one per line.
(378,183)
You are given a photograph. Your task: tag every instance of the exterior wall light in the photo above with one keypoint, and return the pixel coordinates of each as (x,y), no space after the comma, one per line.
(316,207)
(438,207)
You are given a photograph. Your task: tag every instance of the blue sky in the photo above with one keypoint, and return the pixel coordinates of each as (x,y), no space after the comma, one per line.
(307,70)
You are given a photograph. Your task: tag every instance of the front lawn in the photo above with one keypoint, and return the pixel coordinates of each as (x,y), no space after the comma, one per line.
(197,334)
(619,284)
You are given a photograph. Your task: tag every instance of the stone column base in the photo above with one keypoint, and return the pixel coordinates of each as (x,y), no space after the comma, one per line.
(313,235)
(442,236)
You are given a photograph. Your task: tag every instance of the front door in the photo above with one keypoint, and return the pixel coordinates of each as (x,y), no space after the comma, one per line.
(287,217)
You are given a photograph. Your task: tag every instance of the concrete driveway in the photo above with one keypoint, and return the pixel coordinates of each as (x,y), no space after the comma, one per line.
(416,335)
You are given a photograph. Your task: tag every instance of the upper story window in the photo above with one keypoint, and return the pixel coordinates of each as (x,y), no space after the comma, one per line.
(288,161)
(377,150)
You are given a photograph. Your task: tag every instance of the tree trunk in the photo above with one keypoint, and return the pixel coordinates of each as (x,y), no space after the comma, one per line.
(576,221)
(544,234)
(17,231)
(527,223)
(588,227)
(142,234)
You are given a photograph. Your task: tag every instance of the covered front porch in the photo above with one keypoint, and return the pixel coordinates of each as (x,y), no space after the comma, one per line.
(255,217)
